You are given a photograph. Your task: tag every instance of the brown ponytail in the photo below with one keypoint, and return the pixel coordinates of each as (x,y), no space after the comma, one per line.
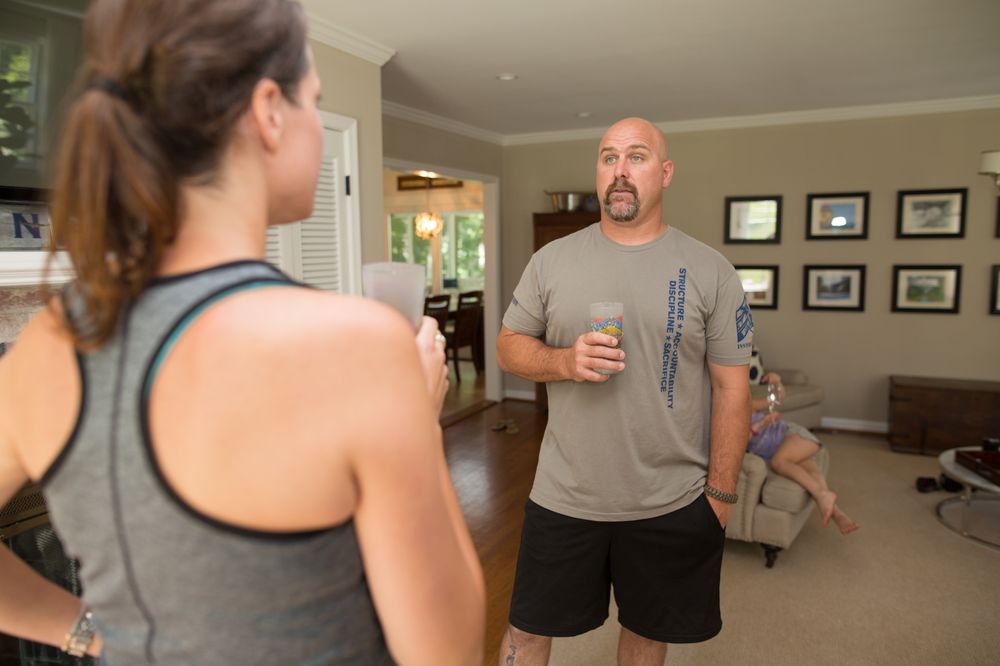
(162,85)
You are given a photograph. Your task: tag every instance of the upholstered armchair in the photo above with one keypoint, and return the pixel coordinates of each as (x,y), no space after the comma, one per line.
(771,509)
(802,400)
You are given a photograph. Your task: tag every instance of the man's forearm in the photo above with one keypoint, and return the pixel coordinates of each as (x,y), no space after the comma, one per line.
(531,358)
(730,433)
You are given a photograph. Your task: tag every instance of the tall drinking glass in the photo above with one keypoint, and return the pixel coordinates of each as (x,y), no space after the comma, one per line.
(606,317)
(397,284)
(773,397)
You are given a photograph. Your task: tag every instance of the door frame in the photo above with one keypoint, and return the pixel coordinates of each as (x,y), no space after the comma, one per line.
(491,241)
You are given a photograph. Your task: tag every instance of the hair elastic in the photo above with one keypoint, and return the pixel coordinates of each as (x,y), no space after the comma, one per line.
(109,86)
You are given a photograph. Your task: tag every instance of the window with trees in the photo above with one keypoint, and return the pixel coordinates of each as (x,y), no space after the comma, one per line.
(463,255)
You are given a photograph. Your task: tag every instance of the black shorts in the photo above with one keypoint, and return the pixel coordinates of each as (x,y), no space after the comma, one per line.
(664,570)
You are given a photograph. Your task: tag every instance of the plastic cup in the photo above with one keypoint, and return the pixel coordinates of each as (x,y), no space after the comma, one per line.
(606,317)
(397,284)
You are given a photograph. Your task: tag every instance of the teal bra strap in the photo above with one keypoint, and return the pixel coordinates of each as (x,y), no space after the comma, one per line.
(179,329)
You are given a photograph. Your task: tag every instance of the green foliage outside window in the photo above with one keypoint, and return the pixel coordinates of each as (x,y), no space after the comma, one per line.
(462,250)
(16,123)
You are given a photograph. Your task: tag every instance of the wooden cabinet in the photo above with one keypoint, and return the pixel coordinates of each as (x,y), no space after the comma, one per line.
(929,415)
(548,227)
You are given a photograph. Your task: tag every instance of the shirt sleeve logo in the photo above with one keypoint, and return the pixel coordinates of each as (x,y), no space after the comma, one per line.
(744,321)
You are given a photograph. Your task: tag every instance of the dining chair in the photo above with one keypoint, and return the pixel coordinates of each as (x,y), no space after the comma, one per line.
(466,333)
(437,306)
(469,299)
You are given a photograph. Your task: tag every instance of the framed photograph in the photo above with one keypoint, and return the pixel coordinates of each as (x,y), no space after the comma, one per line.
(753,219)
(414,182)
(931,213)
(998,217)
(926,288)
(761,285)
(839,215)
(995,291)
(829,287)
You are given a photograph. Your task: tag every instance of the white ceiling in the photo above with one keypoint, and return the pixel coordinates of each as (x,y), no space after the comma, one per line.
(670,60)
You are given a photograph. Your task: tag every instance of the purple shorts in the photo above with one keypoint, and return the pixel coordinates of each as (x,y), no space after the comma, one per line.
(768,439)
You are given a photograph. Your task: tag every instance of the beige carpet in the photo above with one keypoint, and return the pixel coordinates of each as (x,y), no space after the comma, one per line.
(902,590)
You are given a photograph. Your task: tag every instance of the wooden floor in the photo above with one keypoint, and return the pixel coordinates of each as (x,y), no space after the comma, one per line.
(492,472)
(462,394)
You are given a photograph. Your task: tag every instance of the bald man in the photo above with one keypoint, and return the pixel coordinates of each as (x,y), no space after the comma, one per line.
(637,468)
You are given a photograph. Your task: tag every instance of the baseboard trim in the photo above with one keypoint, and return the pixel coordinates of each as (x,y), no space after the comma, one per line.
(520,394)
(465,413)
(857,425)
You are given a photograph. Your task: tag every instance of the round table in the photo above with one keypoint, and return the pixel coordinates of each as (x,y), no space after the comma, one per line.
(975,490)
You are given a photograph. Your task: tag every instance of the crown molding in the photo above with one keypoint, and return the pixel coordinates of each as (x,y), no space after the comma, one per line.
(439,122)
(838,114)
(357,45)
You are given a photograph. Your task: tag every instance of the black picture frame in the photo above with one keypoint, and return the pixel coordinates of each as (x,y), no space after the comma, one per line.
(931,213)
(762,299)
(740,229)
(998,218)
(409,181)
(836,287)
(921,283)
(995,291)
(823,211)
(10,194)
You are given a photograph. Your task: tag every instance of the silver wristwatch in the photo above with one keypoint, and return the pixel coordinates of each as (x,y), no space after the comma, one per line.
(81,635)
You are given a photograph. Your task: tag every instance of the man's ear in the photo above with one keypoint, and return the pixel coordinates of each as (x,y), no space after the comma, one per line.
(265,114)
(668,172)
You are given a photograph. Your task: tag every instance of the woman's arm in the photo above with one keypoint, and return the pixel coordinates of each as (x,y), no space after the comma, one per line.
(422,569)
(761,404)
(31,606)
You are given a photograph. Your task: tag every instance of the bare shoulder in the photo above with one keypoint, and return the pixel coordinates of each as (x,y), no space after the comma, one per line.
(300,317)
(43,339)
(39,388)
(317,339)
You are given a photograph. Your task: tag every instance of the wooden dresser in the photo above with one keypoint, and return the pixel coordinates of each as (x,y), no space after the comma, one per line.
(548,227)
(929,415)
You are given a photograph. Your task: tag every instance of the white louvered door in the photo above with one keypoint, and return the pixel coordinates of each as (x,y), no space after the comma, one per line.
(325,250)
(320,237)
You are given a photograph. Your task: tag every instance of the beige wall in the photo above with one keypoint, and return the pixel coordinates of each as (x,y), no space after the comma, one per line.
(353,87)
(412,142)
(850,354)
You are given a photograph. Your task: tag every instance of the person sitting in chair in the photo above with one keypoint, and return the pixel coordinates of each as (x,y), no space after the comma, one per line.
(788,448)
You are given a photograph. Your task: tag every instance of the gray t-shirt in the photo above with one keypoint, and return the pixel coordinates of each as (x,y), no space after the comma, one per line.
(636,446)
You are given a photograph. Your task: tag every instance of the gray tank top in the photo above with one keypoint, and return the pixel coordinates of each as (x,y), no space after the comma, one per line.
(167,584)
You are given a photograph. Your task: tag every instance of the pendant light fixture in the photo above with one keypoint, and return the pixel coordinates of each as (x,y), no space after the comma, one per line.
(428,224)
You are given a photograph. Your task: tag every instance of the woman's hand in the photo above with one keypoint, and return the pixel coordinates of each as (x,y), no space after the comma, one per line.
(773,417)
(430,344)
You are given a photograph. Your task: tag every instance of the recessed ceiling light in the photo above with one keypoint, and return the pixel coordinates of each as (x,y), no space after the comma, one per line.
(506,76)
(583,114)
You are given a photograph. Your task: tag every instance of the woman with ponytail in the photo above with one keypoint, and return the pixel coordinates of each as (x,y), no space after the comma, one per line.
(249,471)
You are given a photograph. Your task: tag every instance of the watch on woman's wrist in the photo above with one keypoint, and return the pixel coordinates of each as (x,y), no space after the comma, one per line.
(81,634)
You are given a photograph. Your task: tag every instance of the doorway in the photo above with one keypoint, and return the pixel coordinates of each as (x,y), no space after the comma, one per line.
(460,258)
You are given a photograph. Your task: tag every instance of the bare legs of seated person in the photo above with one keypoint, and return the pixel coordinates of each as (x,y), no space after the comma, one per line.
(793,460)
